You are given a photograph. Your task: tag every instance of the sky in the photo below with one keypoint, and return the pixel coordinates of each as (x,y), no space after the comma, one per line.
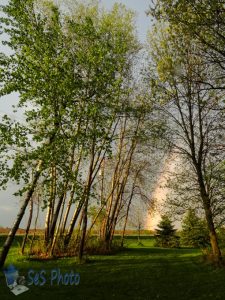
(9,204)
(140,7)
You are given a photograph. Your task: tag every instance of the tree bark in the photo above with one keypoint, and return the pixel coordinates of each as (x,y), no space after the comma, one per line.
(86,199)
(56,213)
(73,222)
(51,204)
(212,232)
(28,227)
(35,224)
(127,214)
(67,211)
(84,229)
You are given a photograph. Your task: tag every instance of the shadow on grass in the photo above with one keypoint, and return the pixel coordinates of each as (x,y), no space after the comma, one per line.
(134,273)
(160,251)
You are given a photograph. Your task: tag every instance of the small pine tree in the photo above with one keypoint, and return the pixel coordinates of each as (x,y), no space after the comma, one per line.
(194,231)
(166,236)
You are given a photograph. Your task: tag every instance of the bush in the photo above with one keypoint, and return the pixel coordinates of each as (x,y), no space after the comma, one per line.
(96,246)
(221,236)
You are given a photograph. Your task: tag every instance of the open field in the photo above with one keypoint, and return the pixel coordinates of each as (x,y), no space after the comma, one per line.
(135,273)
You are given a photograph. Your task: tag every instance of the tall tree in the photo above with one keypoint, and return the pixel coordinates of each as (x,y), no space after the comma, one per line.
(70,72)
(38,70)
(195,113)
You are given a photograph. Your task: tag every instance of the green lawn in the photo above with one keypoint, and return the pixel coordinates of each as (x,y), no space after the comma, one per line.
(136,273)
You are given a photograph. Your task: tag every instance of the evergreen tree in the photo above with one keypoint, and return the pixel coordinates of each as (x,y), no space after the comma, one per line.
(166,236)
(194,231)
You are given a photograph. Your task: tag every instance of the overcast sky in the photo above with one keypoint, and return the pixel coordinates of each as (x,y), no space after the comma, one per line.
(9,204)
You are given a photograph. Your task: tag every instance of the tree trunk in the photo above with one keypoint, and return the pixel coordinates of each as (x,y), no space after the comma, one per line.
(47,224)
(56,234)
(111,222)
(35,224)
(94,221)
(56,213)
(50,208)
(127,214)
(212,234)
(67,211)
(139,233)
(77,239)
(84,229)
(28,227)
(12,233)
(209,219)
(86,199)
(71,193)
(73,222)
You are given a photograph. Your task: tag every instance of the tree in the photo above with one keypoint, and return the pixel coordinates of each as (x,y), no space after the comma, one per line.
(194,231)
(72,73)
(203,20)
(107,47)
(38,70)
(165,234)
(195,114)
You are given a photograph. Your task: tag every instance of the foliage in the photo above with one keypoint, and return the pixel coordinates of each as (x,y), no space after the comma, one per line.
(202,20)
(194,231)
(74,72)
(181,78)
(166,236)
(70,91)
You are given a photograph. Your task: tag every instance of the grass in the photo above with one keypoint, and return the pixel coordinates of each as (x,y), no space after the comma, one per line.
(136,273)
